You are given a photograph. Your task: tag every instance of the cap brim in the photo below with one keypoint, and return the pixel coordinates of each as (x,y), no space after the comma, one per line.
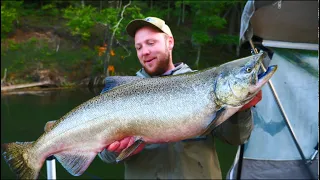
(134,25)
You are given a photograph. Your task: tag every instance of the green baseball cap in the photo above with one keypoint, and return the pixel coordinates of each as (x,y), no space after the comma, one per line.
(155,22)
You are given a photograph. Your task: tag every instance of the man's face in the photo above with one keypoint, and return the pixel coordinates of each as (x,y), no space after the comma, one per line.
(153,50)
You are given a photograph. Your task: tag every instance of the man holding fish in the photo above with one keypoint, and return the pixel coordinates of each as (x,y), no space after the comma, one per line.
(176,114)
(194,158)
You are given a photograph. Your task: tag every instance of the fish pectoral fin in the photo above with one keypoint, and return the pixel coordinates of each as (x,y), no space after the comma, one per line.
(129,150)
(49,126)
(75,162)
(214,121)
(221,116)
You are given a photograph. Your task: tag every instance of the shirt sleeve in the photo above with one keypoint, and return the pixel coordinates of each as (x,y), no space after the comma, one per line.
(237,129)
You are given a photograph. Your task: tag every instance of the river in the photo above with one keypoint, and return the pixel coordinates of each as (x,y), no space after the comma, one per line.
(24,115)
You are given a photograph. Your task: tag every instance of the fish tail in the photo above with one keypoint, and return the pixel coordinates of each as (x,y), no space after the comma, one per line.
(17,157)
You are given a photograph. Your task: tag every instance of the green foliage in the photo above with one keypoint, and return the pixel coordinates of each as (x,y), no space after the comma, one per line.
(50,10)
(28,55)
(159,9)
(32,9)
(206,17)
(109,17)
(222,39)
(13,45)
(29,9)
(211,21)
(132,12)
(156,13)
(200,37)
(80,20)
(9,13)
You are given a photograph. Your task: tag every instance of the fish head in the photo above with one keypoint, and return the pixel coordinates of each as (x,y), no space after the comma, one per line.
(239,81)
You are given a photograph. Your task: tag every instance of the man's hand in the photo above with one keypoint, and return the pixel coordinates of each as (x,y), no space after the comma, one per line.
(118,146)
(253,102)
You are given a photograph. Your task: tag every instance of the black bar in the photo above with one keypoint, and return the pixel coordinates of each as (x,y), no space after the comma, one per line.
(50,158)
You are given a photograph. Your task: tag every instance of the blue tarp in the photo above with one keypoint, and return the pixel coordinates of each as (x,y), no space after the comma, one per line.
(296,83)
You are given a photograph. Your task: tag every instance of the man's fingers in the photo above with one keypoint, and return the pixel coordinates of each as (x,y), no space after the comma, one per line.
(123,144)
(259,95)
(113,146)
(118,146)
(253,102)
(131,141)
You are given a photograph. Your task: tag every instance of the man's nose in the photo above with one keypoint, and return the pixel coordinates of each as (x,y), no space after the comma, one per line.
(145,51)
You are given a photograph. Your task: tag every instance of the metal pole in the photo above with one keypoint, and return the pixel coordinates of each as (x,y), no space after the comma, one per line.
(240,162)
(51,168)
(284,115)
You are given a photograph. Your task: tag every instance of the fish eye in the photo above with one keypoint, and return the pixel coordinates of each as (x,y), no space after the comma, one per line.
(248,69)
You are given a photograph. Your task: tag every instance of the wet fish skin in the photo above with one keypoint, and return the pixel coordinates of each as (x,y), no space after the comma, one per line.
(154,110)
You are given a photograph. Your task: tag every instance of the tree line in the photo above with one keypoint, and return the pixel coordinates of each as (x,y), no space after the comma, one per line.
(208,22)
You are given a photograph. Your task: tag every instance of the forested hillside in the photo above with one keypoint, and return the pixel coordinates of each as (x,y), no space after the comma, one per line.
(74,42)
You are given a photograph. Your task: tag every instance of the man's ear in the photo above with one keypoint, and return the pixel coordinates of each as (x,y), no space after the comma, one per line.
(170,43)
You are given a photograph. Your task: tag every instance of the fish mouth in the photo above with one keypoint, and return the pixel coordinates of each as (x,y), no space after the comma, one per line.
(269,72)
(264,77)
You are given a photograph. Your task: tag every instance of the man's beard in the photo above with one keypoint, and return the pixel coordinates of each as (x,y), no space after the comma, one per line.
(161,66)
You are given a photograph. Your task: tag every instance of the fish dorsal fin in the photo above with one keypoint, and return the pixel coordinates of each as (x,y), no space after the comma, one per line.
(75,161)
(114,81)
(129,150)
(49,126)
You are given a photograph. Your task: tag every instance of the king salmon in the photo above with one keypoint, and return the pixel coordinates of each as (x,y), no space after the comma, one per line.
(153,110)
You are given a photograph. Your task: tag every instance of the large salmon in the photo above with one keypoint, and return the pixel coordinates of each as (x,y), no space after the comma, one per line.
(153,110)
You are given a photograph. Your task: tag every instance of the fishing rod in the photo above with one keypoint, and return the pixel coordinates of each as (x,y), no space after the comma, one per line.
(248,36)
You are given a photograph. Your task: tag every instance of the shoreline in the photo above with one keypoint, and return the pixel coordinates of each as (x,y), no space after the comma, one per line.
(42,90)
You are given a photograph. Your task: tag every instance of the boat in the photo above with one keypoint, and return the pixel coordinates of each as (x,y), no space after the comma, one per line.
(284,140)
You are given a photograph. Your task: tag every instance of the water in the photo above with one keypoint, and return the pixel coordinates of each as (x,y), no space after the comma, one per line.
(23,117)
